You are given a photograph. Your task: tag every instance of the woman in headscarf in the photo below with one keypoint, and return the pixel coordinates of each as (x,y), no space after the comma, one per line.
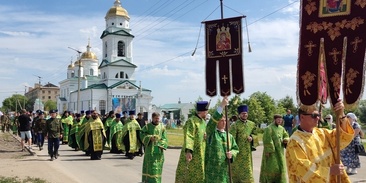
(349,157)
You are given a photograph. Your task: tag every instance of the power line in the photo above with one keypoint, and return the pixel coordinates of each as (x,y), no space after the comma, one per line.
(204,45)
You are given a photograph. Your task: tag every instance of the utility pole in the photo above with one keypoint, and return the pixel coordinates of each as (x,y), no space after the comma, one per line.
(39,92)
(79,73)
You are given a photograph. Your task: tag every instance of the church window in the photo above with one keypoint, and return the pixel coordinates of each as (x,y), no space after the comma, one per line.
(121,74)
(112,23)
(104,75)
(126,76)
(121,49)
(116,75)
(72,74)
(91,72)
(105,48)
(120,24)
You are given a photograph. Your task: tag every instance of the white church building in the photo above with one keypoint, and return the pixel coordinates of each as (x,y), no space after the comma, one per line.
(108,85)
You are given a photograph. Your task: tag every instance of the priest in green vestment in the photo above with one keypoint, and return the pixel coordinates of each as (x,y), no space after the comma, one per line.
(131,141)
(245,134)
(66,120)
(80,137)
(217,155)
(275,138)
(74,132)
(153,136)
(94,137)
(107,123)
(191,165)
(115,134)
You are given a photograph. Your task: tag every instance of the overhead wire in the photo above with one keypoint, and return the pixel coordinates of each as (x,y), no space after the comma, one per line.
(185,13)
(162,18)
(203,45)
(57,75)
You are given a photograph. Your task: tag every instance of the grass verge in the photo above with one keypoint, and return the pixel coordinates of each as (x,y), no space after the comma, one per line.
(18,180)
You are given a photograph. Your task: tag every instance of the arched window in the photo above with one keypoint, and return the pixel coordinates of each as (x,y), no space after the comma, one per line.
(121,74)
(91,72)
(105,49)
(121,49)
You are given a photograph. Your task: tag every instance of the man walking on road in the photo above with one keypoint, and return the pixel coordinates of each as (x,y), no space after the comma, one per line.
(24,128)
(54,131)
(245,134)
(275,138)
(191,165)
(153,136)
(289,122)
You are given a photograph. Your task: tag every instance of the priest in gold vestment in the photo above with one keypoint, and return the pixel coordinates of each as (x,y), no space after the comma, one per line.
(311,151)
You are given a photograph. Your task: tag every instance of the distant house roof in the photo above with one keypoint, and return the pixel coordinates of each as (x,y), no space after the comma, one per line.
(63,99)
(49,85)
(176,106)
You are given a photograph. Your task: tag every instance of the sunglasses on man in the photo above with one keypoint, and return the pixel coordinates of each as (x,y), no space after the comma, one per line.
(313,115)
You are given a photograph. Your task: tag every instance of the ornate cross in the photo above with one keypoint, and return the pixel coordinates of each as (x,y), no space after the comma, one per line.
(355,44)
(224,78)
(310,47)
(334,54)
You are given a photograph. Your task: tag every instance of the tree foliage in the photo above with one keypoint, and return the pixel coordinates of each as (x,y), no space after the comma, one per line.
(15,103)
(267,103)
(49,105)
(288,103)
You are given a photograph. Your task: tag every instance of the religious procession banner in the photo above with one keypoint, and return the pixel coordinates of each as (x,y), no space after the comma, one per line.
(332,32)
(224,48)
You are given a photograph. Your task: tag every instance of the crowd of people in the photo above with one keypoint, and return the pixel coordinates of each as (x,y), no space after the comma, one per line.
(295,148)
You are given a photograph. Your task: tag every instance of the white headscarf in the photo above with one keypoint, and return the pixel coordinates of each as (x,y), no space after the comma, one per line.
(330,118)
(352,116)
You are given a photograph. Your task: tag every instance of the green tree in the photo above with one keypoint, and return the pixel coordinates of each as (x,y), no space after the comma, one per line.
(234,103)
(49,105)
(15,103)
(268,105)
(288,103)
(256,112)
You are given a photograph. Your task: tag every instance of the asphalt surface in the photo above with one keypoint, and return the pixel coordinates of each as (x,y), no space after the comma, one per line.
(117,168)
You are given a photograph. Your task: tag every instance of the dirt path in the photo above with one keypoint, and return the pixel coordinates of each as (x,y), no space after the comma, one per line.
(15,163)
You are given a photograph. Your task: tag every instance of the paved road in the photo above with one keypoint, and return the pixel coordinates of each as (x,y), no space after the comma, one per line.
(116,168)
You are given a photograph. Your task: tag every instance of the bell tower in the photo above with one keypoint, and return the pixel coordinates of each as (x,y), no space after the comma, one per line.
(117,37)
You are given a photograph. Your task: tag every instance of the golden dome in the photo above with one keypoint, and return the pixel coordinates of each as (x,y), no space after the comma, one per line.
(71,66)
(88,54)
(117,10)
(76,63)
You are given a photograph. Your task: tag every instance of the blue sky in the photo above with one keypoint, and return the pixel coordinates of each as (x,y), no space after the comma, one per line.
(35,36)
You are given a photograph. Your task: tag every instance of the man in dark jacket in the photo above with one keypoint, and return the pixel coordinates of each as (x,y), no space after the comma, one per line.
(54,131)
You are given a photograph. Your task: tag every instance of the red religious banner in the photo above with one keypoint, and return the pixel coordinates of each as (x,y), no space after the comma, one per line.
(333,32)
(224,46)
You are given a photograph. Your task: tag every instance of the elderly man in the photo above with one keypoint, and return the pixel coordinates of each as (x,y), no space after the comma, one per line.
(310,156)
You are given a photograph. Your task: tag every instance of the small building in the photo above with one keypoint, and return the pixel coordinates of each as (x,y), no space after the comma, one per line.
(42,94)
(174,111)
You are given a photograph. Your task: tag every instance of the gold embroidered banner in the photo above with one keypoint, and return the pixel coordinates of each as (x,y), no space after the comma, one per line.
(332,31)
(224,45)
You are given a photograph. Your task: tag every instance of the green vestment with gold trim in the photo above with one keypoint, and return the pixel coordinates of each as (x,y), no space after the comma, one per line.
(273,168)
(194,141)
(152,167)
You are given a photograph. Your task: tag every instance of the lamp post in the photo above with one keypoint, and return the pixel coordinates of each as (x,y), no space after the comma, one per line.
(79,73)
